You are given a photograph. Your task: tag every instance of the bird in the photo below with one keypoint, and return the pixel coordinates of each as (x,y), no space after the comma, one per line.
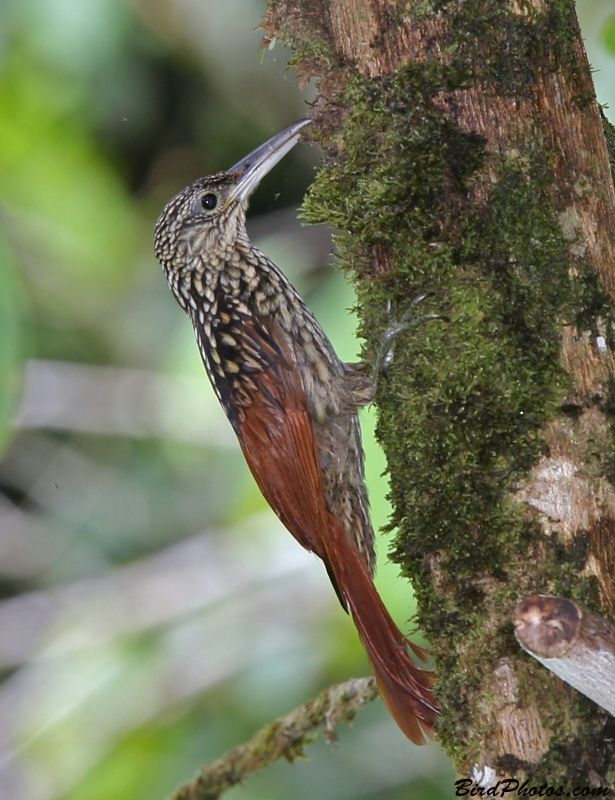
(292,403)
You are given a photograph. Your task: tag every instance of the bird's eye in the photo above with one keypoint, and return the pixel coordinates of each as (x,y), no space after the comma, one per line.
(209,201)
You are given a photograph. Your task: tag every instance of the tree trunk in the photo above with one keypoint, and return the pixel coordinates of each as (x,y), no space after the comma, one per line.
(465,156)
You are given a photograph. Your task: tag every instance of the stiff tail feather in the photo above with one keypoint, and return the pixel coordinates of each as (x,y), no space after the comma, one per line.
(406,689)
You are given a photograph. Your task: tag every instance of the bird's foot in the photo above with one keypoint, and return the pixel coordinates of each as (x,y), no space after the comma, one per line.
(386,351)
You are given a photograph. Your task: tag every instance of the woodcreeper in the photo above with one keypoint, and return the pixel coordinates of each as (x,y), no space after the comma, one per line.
(292,403)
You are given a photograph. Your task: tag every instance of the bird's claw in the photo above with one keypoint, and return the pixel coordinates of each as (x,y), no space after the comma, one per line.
(386,351)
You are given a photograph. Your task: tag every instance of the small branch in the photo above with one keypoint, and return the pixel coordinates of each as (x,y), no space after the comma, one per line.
(284,738)
(574,643)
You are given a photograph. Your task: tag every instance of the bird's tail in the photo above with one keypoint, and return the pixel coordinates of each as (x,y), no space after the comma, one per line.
(406,689)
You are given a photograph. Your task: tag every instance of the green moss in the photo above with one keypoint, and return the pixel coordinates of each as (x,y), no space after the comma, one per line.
(463,409)
(508,45)
(476,392)
(420,207)
(312,51)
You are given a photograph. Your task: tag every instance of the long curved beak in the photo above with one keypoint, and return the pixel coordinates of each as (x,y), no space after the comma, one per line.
(260,161)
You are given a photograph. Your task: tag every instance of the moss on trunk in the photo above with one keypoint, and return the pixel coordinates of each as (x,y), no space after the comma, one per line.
(464,156)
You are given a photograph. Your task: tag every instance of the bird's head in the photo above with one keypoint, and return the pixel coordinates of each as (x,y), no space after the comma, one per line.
(206,220)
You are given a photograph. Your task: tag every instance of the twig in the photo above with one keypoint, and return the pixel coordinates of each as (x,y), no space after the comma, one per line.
(574,643)
(284,738)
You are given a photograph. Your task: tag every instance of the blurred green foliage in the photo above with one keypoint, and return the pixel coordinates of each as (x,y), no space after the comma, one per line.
(609,33)
(14,335)
(129,661)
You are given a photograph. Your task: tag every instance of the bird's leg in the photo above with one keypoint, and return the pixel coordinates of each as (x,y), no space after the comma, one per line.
(386,351)
(362,387)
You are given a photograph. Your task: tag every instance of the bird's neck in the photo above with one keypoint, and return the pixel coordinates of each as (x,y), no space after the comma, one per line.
(213,277)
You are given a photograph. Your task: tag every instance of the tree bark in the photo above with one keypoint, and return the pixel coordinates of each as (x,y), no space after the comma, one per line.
(465,155)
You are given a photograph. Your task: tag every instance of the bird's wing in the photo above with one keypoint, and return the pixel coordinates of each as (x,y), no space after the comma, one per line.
(278,440)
